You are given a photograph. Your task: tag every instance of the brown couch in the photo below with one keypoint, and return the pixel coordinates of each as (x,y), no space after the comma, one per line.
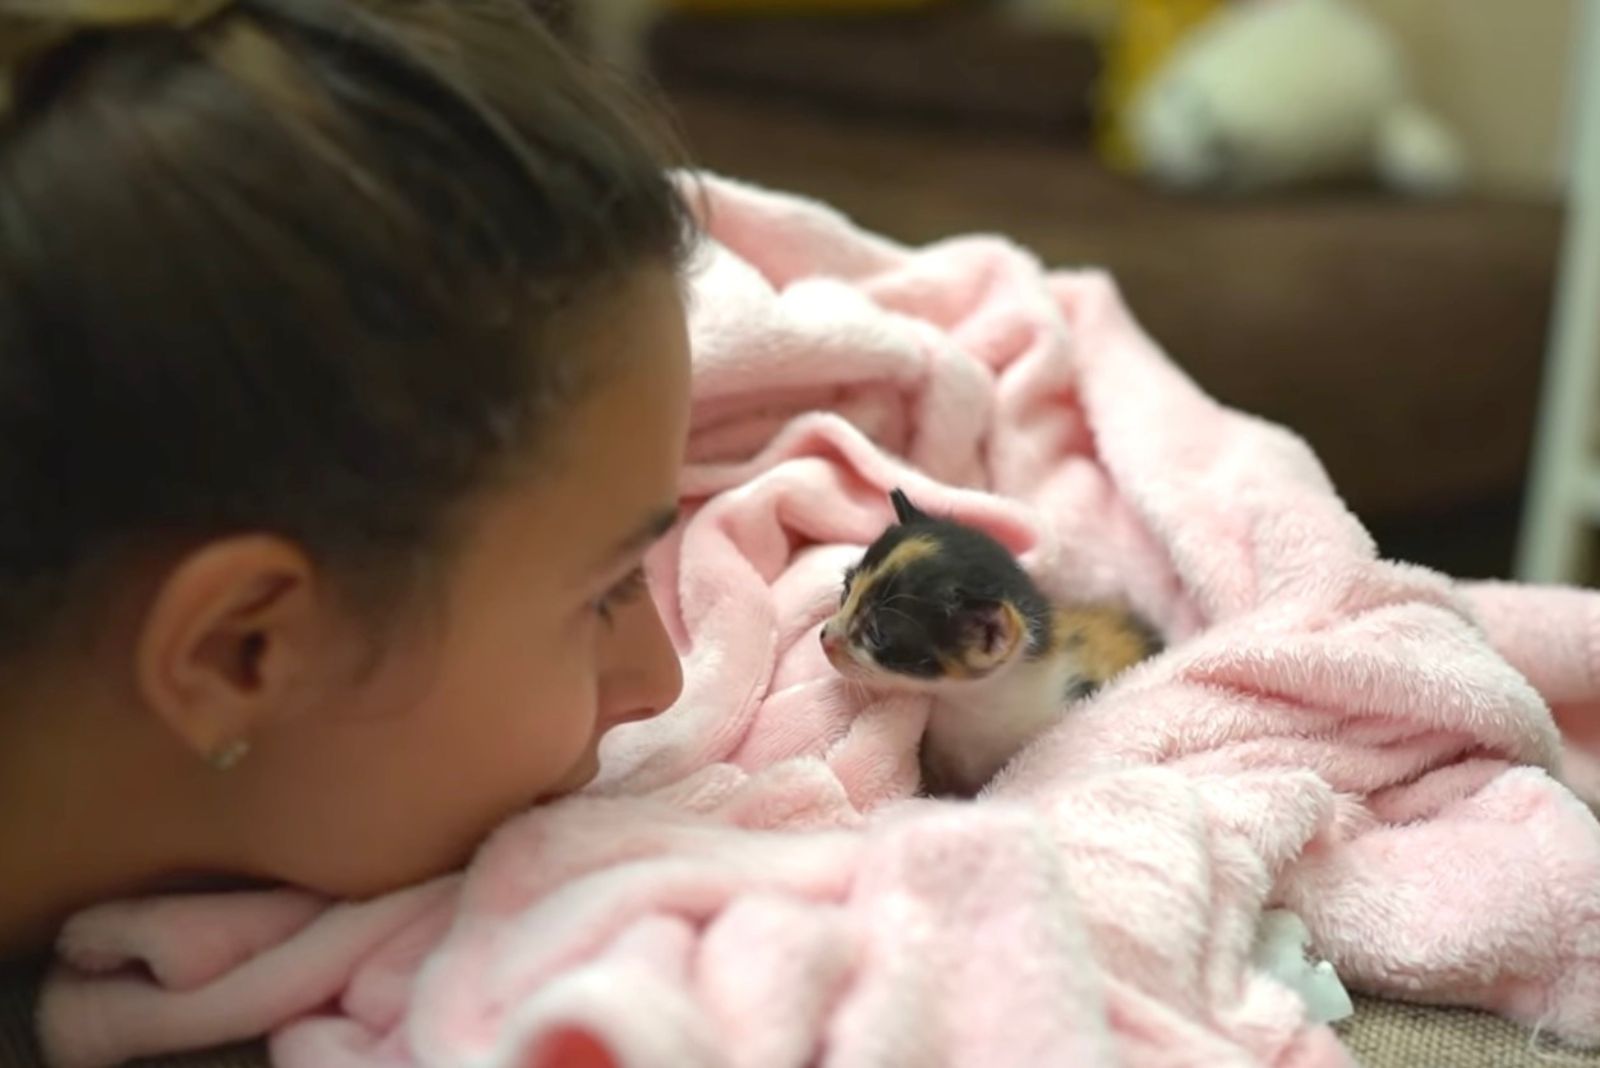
(1403,339)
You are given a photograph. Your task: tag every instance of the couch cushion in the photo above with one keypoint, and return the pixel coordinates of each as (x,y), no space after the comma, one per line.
(960,64)
(1403,339)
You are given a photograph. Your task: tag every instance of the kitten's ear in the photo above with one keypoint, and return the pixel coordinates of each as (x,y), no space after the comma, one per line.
(904,510)
(992,633)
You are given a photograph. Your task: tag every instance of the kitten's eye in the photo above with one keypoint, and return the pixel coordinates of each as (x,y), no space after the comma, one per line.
(849,580)
(870,637)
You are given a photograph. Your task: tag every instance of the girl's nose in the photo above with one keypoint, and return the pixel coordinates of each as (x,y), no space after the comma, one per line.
(645,676)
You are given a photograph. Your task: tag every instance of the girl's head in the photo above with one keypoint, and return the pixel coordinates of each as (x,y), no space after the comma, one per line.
(343,382)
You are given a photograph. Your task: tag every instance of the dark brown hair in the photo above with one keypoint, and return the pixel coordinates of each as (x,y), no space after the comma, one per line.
(282,265)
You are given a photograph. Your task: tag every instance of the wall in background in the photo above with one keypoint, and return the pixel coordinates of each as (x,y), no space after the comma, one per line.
(1498,71)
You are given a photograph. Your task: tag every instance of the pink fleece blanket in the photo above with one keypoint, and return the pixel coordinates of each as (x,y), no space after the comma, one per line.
(751,881)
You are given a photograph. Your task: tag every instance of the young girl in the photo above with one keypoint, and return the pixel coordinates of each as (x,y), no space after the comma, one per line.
(343,383)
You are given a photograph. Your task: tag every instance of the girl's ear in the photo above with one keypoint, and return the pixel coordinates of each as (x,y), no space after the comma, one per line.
(904,510)
(231,641)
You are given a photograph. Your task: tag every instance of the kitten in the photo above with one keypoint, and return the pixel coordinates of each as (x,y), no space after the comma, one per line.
(940,608)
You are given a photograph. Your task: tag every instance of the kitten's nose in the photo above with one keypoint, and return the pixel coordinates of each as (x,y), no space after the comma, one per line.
(830,640)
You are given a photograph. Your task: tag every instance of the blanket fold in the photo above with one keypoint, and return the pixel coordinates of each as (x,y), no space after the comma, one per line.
(752,882)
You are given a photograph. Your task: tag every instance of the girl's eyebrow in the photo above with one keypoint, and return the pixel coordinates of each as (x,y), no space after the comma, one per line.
(652,529)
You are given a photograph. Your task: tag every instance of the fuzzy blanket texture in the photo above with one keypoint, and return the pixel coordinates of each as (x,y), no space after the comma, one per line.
(1399,758)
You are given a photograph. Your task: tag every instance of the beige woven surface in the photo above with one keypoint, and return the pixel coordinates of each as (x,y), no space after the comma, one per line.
(1381,1035)
(1388,1034)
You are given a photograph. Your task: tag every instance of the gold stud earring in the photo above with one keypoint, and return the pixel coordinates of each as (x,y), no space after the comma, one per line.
(227,756)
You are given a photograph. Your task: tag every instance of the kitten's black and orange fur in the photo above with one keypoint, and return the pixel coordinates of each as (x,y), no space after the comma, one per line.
(939,607)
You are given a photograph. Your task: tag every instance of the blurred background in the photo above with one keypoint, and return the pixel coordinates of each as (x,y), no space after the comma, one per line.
(1343,215)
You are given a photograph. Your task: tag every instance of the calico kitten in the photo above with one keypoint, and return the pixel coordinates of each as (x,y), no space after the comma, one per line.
(941,608)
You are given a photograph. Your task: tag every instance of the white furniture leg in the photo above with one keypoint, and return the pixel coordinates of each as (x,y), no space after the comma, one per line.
(1563,501)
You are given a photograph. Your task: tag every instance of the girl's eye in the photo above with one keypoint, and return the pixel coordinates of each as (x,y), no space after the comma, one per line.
(625,592)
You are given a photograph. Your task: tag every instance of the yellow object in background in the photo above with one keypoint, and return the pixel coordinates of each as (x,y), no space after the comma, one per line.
(796,7)
(1143,36)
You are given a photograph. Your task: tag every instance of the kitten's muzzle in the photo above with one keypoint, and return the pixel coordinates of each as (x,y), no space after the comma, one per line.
(832,640)
(836,646)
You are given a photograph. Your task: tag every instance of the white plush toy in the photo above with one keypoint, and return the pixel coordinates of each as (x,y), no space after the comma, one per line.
(1275,92)
(1283,951)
